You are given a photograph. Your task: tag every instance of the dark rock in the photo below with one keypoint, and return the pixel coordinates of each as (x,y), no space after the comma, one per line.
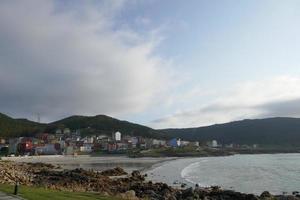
(265,194)
(118,171)
(287,197)
(251,197)
(189,192)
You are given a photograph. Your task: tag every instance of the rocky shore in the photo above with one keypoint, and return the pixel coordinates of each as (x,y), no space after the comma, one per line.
(115,182)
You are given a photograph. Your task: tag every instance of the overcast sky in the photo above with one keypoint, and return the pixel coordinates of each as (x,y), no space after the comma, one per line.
(159,63)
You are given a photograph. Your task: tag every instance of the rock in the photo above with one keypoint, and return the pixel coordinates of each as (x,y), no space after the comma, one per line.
(287,197)
(201,192)
(135,173)
(251,197)
(129,195)
(189,192)
(118,171)
(265,194)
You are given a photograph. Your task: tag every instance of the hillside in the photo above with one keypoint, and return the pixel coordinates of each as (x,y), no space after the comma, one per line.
(272,131)
(104,124)
(10,127)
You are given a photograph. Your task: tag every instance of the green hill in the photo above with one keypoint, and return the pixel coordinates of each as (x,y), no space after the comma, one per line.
(99,124)
(272,131)
(105,125)
(10,127)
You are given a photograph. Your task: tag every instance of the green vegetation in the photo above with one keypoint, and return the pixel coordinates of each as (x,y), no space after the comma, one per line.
(186,151)
(273,132)
(4,151)
(105,125)
(33,193)
(10,127)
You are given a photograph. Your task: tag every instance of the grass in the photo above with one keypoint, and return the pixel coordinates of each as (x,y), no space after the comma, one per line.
(34,193)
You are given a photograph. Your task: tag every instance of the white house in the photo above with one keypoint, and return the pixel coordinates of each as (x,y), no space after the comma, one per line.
(117,136)
(214,143)
(86,148)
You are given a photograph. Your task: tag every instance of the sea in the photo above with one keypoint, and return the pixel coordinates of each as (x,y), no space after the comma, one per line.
(276,173)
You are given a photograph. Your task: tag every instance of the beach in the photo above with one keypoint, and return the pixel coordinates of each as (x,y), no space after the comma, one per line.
(97,163)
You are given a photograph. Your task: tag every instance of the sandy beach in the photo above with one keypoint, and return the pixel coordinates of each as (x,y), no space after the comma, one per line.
(94,162)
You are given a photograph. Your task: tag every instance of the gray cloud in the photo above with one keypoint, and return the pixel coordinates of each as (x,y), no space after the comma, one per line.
(61,62)
(275,97)
(287,108)
(217,113)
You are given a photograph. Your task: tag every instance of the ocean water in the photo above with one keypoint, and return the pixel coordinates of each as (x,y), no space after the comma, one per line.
(276,173)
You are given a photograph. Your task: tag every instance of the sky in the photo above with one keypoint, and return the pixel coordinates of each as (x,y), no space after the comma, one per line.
(164,64)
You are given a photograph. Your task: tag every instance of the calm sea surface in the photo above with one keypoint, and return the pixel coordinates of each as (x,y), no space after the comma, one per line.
(276,173)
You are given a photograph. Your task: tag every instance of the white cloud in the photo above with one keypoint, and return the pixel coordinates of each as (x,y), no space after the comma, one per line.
(74,61)
(278,96)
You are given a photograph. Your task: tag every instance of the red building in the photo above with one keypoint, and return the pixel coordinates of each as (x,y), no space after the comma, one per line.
(25,146)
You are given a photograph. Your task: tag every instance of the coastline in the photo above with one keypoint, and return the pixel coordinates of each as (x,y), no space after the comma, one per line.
(97,163)
(135,183)
(115,183)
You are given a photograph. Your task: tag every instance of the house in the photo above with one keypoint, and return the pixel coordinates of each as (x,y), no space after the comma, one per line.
(134,141)
(58,131)
(111,146)
(13,145)
(175,142)
(2,141)
(116,136)
(69,150)
(48,149)
(87,147)
(121,146)
(184,143)
(67,131)
(25,146)
(213,144)
(194,144)
(158,143)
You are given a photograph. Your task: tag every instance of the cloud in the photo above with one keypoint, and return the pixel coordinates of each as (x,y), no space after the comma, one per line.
(58,60)
(274,97)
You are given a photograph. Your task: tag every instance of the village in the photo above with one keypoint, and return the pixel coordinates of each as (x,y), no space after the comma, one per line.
(67,142)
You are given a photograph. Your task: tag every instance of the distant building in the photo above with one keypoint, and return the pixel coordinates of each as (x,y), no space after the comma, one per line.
(13,145)
(87,148)
(48,149)
(214,143)
(184,143)
(158,143)
(194,144)
(134,141)
(69,150)
(2,141)
(25,146)
(116,136)
(58,131)
(67,131)
(174,142)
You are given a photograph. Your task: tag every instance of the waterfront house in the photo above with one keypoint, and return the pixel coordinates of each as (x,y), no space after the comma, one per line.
(175,142)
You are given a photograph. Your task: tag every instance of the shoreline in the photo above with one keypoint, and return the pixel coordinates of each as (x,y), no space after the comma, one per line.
(112,183)
(117,184)
(97,163)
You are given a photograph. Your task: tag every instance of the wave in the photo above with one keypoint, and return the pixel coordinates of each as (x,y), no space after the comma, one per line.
(189,172)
